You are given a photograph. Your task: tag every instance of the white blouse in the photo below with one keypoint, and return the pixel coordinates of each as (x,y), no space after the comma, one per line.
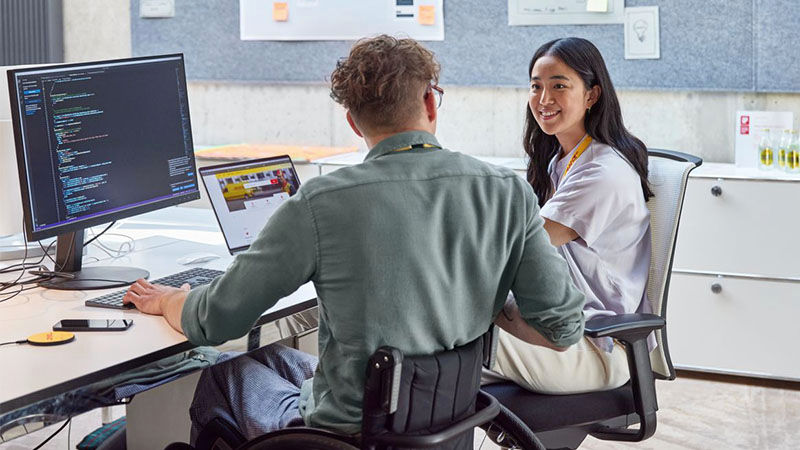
(600,197)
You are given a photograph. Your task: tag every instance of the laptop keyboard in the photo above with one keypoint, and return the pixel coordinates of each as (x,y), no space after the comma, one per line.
(195,277)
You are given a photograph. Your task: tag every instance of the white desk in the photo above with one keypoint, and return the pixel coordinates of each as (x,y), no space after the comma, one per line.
(331,163)
(31,374)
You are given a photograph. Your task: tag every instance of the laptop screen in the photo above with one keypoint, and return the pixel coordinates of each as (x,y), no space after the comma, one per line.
(244,194)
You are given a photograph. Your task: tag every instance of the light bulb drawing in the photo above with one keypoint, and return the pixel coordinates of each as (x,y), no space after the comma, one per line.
(640,28)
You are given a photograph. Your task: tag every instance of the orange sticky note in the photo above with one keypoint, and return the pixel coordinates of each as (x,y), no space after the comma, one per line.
(280,11)
(427,15)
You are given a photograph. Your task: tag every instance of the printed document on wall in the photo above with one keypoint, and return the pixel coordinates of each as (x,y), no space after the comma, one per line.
(316,20)
(565,12)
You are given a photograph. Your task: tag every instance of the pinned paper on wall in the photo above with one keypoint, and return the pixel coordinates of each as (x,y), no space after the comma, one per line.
(280,11)
(404,9)
(597,5)
(427,15)
(565,12)
(156,8)
(642,39)
(328,20)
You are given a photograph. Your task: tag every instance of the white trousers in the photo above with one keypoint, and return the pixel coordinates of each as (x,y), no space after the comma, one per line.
(581,368)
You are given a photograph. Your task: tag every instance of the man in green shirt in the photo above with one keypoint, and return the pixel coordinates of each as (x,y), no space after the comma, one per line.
(417,248)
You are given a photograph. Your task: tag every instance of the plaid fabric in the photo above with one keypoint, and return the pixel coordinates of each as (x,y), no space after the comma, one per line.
(98,436)
(257,392)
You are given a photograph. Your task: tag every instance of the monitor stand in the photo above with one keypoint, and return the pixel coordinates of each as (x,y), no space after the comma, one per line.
(69,256)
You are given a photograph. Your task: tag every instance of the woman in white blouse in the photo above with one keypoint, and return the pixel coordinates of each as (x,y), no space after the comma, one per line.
(590,176)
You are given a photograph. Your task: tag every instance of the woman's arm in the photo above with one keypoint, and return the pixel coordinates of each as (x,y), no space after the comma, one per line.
(559,234)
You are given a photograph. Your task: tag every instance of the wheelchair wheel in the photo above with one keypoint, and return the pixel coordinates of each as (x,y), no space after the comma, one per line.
(298,440)
(508,431)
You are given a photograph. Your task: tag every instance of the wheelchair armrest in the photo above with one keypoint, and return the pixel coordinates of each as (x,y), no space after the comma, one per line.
(488,408)
(625,327)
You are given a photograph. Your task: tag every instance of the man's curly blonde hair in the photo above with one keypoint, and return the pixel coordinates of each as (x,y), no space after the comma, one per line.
(383,80)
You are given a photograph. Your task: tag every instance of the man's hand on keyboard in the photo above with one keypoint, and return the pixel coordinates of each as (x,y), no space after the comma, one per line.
(153,298)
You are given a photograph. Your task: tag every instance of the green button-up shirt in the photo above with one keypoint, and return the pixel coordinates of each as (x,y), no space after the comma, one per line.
(416,249)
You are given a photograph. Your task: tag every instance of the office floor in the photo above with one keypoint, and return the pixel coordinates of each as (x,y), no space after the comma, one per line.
(696,413)
(704,412)
(80,427)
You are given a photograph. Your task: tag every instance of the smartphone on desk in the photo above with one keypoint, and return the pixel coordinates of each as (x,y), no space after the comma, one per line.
(93,325)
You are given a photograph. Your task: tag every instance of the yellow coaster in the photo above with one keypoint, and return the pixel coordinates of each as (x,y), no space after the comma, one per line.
(51,338)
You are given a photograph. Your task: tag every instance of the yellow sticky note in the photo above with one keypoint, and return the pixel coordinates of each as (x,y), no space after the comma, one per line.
(597,5)
(280,11)
(426,15)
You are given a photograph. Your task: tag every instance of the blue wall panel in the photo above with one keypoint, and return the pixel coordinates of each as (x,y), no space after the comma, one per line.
(706,45)
(778,46)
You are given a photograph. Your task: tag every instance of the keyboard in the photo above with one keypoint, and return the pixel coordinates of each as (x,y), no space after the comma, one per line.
(195,277)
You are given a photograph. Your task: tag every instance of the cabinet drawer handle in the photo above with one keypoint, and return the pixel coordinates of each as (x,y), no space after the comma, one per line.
(716,191)
(716,288)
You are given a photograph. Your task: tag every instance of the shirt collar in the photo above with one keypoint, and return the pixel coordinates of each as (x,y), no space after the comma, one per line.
(401,140)
(557,163)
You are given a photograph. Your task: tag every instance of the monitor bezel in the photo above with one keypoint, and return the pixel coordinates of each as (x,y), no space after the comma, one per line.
(80,224)
(203,170)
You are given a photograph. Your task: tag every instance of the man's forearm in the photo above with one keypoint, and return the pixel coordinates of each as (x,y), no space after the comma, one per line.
(512,322)
(172,307)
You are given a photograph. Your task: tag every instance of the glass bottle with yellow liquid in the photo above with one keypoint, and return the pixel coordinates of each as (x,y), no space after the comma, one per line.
(765,152)
(783,150)
(794,154)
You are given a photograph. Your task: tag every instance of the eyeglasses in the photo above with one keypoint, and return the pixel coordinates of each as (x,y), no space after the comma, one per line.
(437,91)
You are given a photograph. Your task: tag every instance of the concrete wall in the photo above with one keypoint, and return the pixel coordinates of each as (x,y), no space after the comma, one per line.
(484,121)
(96,30)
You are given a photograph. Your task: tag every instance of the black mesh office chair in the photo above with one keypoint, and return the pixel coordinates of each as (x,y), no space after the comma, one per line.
(564,421)
(431,401)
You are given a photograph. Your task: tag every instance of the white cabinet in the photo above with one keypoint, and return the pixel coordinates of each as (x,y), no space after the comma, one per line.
(749,327)
(734,302)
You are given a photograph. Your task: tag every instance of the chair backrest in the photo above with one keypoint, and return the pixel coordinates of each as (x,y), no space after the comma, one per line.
(422,395)
(668,175)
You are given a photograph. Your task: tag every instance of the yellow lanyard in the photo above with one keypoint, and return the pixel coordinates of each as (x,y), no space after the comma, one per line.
(415,146)
(581,147)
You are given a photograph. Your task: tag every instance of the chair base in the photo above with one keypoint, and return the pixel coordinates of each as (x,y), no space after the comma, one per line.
(535,410)
(566,438)
(592,413)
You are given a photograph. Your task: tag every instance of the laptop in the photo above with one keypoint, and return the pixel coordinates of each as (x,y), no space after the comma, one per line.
(245,194)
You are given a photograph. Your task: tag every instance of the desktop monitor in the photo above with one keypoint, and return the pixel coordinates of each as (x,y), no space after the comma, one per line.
(97,142)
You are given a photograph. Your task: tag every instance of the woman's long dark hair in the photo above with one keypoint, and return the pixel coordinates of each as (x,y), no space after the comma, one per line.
(603,123)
